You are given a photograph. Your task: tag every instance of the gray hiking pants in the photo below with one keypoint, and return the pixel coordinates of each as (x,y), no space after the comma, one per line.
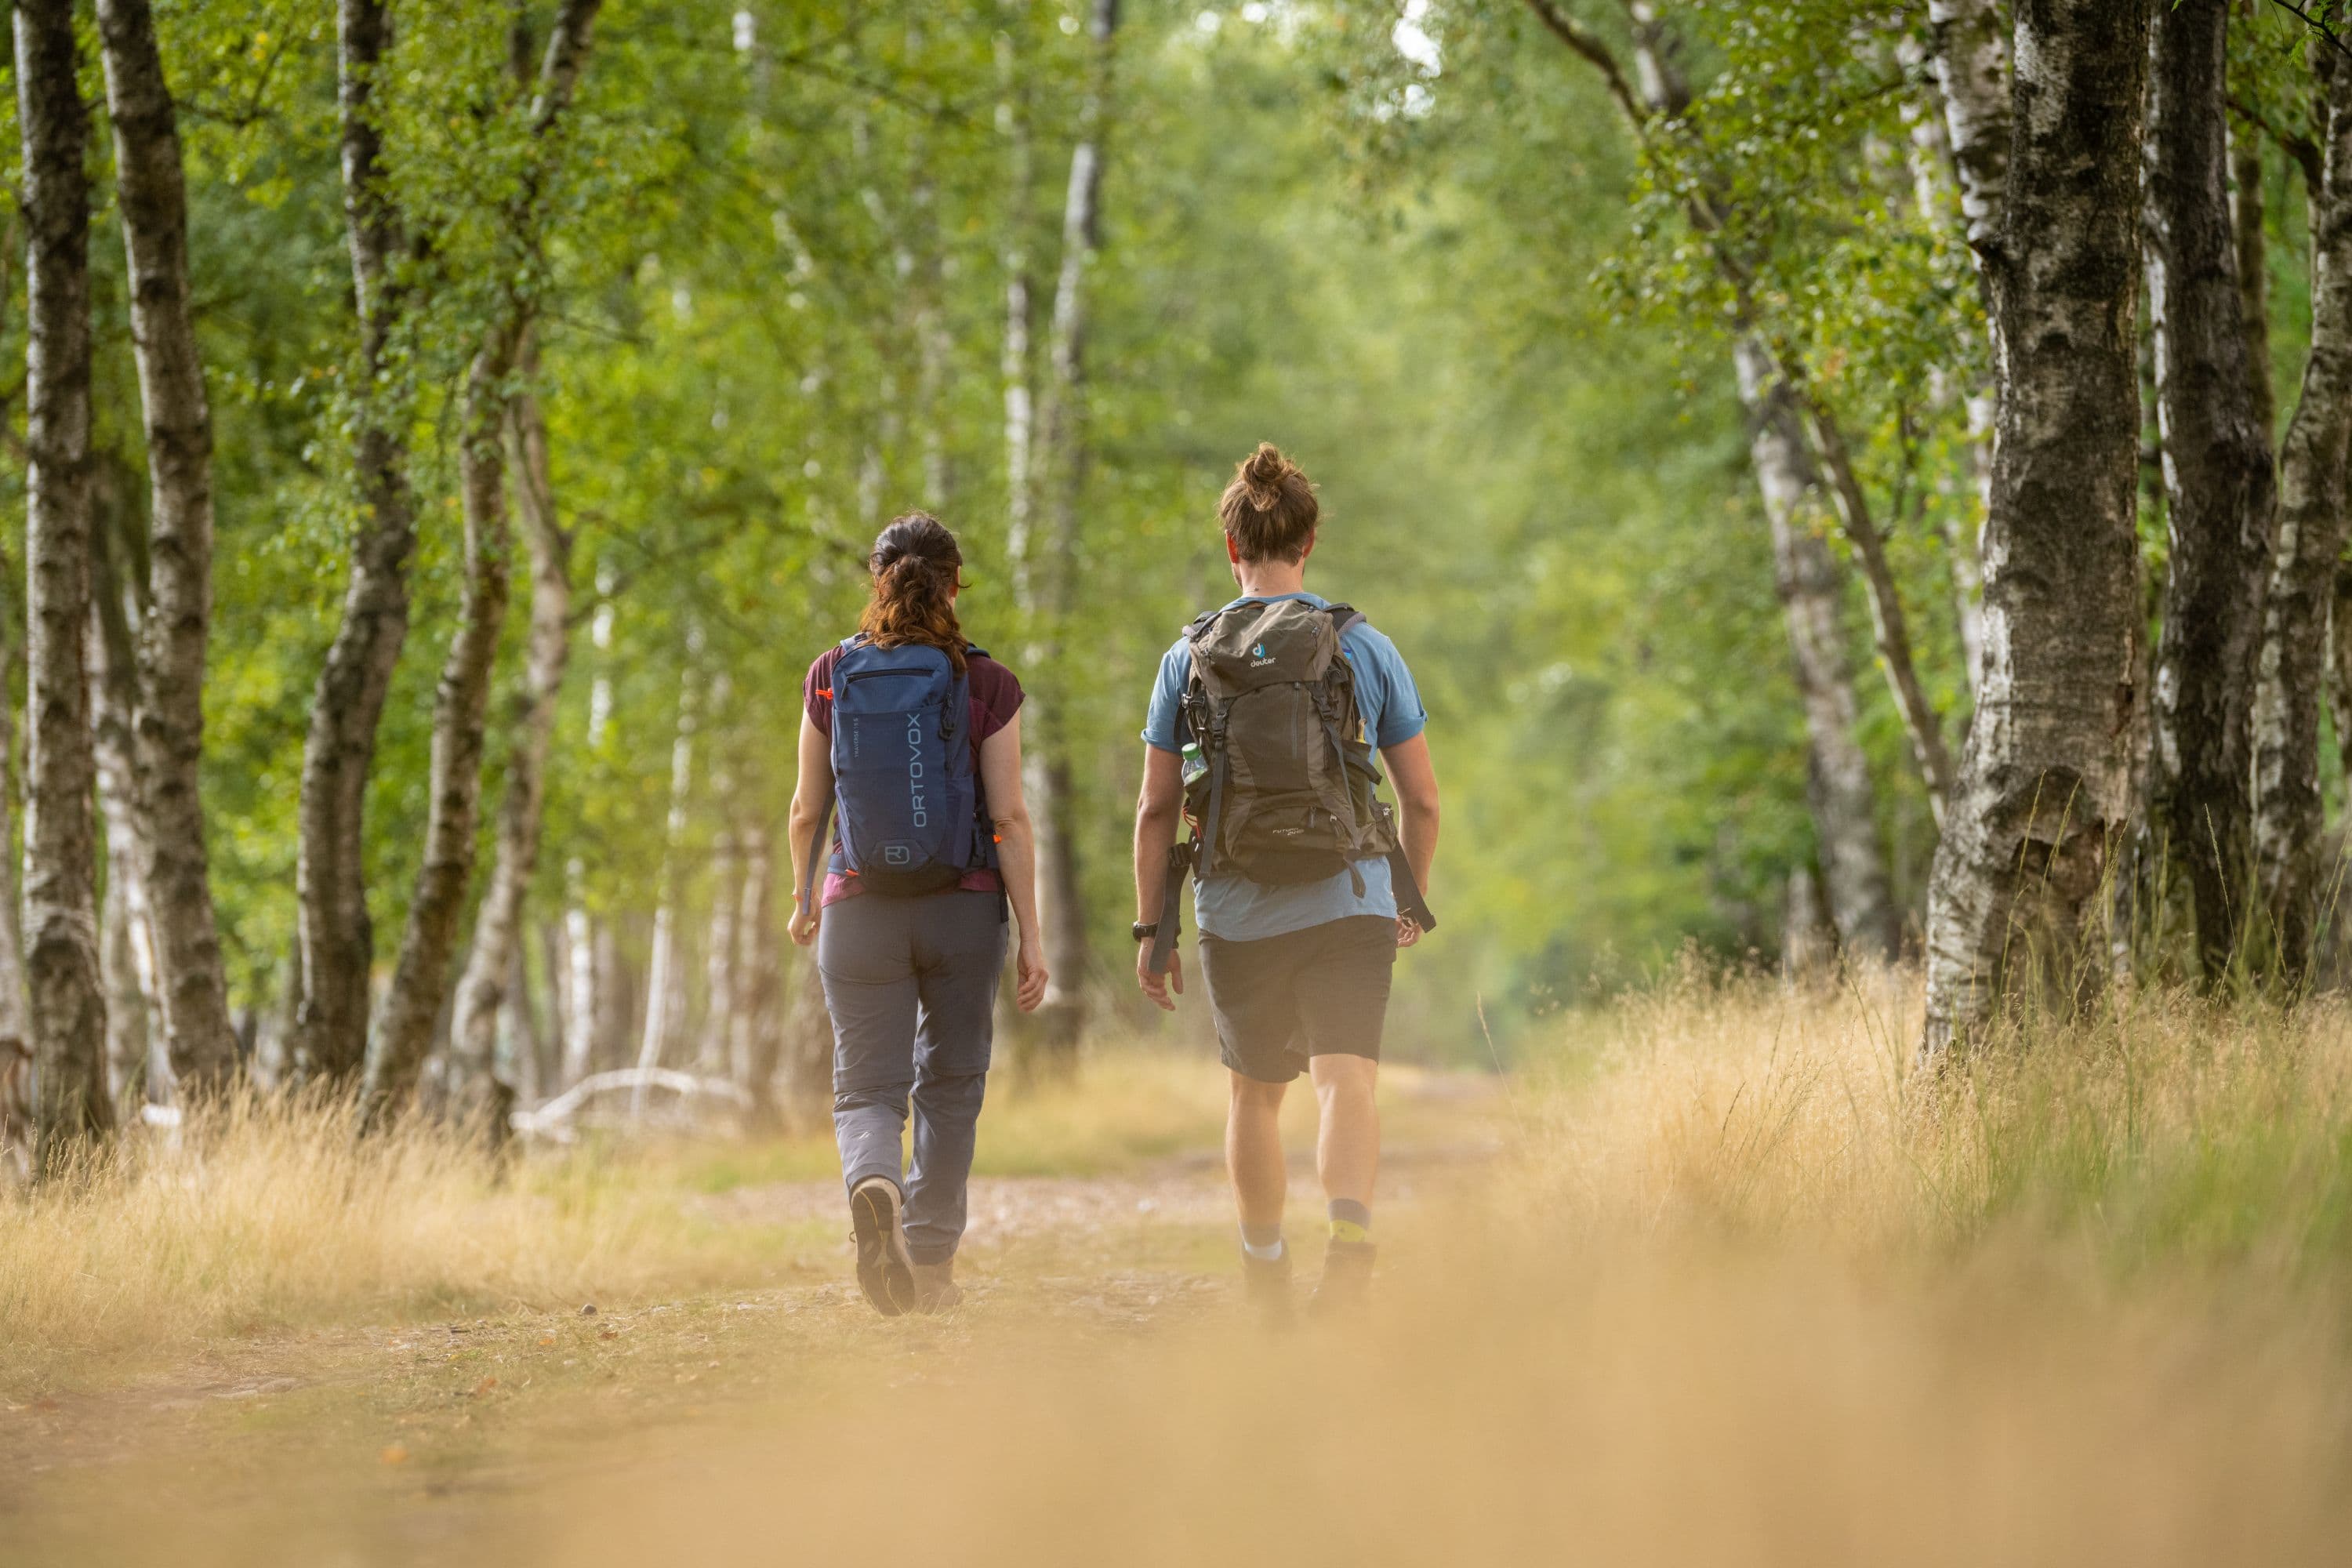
(912,985)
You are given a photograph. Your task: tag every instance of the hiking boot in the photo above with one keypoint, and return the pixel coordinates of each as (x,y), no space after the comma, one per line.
(883,1270)
(1267,1282)
(1347,1279)
(935,1287)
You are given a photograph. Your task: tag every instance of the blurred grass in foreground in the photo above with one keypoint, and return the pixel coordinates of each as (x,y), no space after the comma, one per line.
(1743,1287)
(1748,1290)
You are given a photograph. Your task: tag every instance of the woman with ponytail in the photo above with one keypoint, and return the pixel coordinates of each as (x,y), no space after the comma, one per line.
(934,853)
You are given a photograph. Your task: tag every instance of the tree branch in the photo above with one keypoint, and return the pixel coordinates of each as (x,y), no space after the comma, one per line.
(2302,149)
(1587,43)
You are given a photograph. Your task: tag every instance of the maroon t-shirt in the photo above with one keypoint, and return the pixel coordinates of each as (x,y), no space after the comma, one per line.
(995,695)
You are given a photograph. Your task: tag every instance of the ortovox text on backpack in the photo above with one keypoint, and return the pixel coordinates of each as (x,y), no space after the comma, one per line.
(911,813)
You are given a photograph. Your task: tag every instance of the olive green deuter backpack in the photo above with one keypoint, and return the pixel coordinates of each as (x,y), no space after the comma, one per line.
(1286,791)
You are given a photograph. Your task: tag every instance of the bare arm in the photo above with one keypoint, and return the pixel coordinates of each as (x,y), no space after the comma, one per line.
(811,797)
(1415,778)
(1158,815)
(1016,853)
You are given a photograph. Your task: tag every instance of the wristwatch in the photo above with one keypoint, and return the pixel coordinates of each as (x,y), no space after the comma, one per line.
(1144,931)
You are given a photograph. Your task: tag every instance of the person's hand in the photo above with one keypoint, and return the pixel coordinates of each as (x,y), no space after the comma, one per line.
(1408,930)
(803,924)
(1029,970)
(1157,986)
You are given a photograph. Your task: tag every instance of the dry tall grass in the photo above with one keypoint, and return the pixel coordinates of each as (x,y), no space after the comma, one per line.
(1751,1292)
(2163,1132)
(1745,1289)
(270,1214)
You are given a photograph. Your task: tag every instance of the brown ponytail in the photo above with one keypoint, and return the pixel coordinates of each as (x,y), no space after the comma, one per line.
(917,568)
(1269,510)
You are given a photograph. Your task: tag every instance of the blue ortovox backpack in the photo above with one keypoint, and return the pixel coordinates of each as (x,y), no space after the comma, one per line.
(911,813)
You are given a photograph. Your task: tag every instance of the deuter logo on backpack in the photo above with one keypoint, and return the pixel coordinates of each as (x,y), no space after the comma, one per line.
(1288,792)
(904,778)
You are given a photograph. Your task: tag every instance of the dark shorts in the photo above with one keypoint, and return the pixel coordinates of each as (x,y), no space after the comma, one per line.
(1282,999)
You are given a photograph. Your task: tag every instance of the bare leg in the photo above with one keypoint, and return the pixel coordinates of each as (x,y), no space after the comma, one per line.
(1347,1143)
(1254,1150)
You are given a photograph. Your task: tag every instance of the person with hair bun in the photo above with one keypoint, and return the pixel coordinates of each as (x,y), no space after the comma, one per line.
(912,736)
(1261,735)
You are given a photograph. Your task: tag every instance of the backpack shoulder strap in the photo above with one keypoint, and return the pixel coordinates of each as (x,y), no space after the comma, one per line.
(1345,618)
(973,651)
(1198,626)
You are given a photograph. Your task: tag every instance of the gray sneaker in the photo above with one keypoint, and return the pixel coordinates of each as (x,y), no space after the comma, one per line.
(883,1270)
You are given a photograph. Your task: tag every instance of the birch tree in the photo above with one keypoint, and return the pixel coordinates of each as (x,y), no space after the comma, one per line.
(661,965)
(2307,575)
(2046,781)
(485,989)
(69,1008)
(168,726)
(1840,793)
(336,939)
(403,1032)
(1045,569)
(2220,486)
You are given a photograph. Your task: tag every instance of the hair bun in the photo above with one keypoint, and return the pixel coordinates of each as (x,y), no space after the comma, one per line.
(1263,473)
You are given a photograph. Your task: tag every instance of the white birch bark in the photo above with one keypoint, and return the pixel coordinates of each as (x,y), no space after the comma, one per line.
(335,936)
(1840,794)
(2047,777)
(484,988)
(174,870)
(125,954)
(404,1027)
(1020,420)
(661,982)
(1838,783)
(758,1040)
(1050,571)
(2307,580)
(2220,489)
(69,1008)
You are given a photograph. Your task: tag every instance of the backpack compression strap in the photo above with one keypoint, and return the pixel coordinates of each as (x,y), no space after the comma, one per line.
(1410,901)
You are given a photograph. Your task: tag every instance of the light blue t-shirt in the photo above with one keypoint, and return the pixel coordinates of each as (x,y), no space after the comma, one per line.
(1234,908)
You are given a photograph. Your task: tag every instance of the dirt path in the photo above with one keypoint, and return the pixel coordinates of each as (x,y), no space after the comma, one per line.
(422,1426)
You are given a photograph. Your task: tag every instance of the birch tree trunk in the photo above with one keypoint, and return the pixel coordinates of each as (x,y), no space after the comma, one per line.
(1890,627)
(1840,793)
(586,969)
(661,980)
(2220,487)
(2248,216)
(2046,778)
(1838,785)
(174,872)
(1050,781)
(723,950)
(1020,417)
(125,958)
(16,1009)
(404,1033)
(2306,576)
(758,1041)
(336,940)
(68,1009)
(1973,69)
(484,989)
